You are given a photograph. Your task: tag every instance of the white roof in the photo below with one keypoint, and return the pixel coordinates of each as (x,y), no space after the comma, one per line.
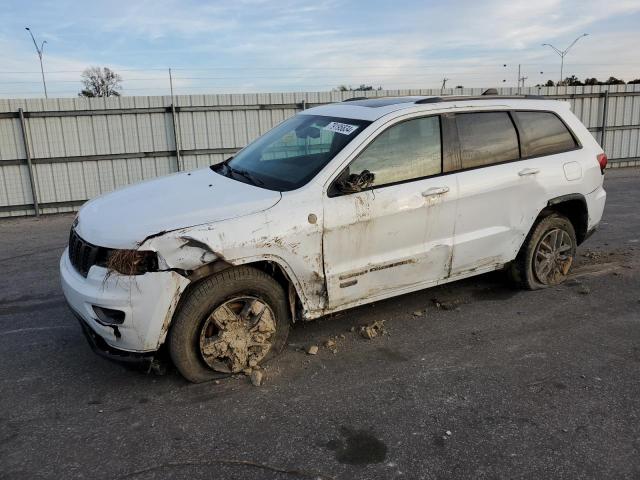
(375,108)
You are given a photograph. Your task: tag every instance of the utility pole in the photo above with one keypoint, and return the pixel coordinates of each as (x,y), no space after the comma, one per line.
(444,84)
(563,53)
(39,50)
(518,79)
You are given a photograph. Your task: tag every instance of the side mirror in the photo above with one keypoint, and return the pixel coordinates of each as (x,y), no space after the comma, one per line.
(354,182)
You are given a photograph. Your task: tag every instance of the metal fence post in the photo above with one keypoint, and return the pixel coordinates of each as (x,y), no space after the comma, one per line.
(34,193)
(605,110)
(176,134)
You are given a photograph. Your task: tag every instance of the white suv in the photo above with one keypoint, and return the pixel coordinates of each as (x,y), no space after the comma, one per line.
(338,206)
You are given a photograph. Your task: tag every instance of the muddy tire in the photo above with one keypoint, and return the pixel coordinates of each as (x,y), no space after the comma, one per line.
(547,254)
(236,319)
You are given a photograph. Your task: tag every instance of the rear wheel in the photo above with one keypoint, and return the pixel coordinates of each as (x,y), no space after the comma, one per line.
(547,253)
(234,320)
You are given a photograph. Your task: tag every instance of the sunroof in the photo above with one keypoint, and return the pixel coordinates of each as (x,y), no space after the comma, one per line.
(383,101)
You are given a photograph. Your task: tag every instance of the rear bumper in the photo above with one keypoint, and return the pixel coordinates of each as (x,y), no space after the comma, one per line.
(595,205)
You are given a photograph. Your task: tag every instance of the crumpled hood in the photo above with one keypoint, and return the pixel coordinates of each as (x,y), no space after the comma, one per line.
(125,217)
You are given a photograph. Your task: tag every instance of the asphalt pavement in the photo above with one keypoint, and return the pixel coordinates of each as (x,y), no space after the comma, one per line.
(473,379)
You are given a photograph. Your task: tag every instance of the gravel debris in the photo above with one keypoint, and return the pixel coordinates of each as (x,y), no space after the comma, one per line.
(372,330)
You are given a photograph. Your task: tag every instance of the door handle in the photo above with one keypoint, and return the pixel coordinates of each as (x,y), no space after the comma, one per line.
(528,171)
(430,192)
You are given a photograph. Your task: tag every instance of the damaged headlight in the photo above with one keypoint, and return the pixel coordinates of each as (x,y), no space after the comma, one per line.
(130,262)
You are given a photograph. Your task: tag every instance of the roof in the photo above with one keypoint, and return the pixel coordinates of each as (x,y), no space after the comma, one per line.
(374,108)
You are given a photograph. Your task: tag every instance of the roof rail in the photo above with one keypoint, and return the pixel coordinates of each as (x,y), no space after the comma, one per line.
(432,100)
(354,99)
(462,98)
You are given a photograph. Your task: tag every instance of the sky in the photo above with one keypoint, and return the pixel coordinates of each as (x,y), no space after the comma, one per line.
(244,46)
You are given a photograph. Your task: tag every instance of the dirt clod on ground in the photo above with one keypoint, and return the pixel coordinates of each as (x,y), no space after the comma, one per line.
(256,378)
(584,290)
(312,350)
(372,330)
(445,305)
(592,255)
(330,343)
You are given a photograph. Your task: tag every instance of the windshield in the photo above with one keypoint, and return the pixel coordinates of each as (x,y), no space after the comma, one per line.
(291,154)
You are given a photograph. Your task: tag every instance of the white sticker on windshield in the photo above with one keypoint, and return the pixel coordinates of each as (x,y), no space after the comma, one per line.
(343,128)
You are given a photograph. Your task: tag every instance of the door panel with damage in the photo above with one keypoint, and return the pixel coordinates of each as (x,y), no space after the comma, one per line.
(389,216)
(387,239)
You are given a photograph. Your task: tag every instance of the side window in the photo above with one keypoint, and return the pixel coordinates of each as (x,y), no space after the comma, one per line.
(408,150)
(543,133)
(486,138)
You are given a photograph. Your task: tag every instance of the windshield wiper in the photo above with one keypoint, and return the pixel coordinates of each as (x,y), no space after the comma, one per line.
(247,175)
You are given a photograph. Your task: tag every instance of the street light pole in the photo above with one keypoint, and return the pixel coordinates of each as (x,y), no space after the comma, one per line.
(563,53)
(39,50)
(444,84)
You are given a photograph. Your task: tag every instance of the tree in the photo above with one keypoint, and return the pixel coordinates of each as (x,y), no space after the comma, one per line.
(361,88)
(549,83)
(633,82)
(572,81)
(614,81)
(100,83)
(592,81)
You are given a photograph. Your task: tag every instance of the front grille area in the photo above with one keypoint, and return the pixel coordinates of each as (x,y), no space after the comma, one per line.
(84,255)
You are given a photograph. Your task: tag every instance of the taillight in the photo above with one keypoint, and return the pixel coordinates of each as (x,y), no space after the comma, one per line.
(602,160)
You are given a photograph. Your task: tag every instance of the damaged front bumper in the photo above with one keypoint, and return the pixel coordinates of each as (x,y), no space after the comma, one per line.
(147,303)
(142,361)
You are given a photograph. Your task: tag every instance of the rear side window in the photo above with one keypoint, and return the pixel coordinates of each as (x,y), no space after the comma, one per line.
(486,138)
(543,133)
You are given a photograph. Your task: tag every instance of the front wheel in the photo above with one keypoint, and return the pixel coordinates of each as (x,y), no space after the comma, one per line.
(547,253)
(231,321)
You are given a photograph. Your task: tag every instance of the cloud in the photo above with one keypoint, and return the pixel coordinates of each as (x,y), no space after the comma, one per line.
(250,45)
